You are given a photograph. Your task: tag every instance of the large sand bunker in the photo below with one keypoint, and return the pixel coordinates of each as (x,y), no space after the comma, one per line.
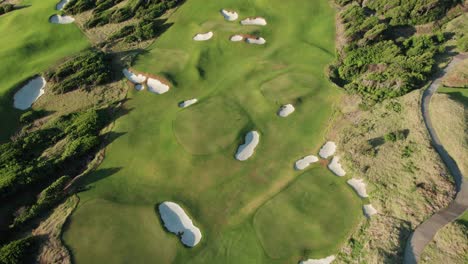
(177,221)
(359,186)
(229,15)
(58,19)
(62,4)
(188,103)
(247,149)
(258,41)
(326,260)
(336,167)
(203,36)
(28,94)
(286,110)
(156,86)
(369,210)
(327,150)
(134,78)
(254,21)
(305,162)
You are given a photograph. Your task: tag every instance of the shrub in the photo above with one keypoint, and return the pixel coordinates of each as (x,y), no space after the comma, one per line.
(19,251)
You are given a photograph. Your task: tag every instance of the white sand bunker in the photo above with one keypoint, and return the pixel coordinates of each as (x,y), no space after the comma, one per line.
(188,103)
(254,21)
(359,186)
(203,36)
(62,4)
(305,162)
(247,149)
(229,15)
(369,210)
(136,79)
(335,167)
(58,19)
(177,221)
(258,41)
(326,260)
(156,86)
(286,110)
(139,87)
(237,38)
(28,94)
(327,150)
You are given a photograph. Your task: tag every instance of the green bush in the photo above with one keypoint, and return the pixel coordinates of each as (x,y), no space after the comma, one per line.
(462,43)
(19,251)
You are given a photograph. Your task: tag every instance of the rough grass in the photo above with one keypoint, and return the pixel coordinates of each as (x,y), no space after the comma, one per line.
(30,45)
(148,164)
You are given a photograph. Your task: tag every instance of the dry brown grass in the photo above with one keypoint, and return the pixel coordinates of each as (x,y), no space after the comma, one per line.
(458,77)
(450,245)
(405,190)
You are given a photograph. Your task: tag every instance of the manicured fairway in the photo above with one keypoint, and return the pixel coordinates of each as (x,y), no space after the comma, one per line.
(187,155)
(29,45)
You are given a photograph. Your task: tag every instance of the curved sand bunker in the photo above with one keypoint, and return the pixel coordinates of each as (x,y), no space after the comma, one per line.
(203,36)
(247,149)
(326,260)
(139,87)
(327,150)
(28,94)
(188,103)
(258,41)
(177,221)
(229,15)
(136,79)
(58,19)
(156,86)
(369,210)
(335,167)
(359,186)
(237,38)
(286,110)
(254,21)
(305,162)
(62,4)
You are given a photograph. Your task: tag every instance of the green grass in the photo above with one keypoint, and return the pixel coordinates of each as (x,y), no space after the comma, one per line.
(187,155)
(30,44)
(457,94)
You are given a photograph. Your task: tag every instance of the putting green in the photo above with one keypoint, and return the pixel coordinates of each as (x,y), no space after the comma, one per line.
(156,158)
(30,45)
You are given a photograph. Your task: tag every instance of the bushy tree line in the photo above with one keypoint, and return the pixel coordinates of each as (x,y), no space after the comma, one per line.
(19,251)
(5,8)
(144,30)
(87,69)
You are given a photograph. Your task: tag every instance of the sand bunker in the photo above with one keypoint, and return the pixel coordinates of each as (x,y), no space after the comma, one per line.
(188,103)
(62,4)
(359,186)
(237,38)
(28,94)
(203,37)
(229,15)
(136,79)
(258,41)
(286,110)
(254,21)
(305,162)
(58,19)
(177,221)
(335,167)
(140,87)
(156,86)
(326,260)
(327,150)
(369,210)
(247,149)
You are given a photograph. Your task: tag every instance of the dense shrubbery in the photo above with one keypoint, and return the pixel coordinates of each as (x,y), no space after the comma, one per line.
(88,69)
(146,29)
(19,251)
(5,8)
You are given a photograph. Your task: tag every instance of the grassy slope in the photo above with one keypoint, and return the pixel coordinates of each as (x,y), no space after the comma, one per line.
(153,161)
(30,44)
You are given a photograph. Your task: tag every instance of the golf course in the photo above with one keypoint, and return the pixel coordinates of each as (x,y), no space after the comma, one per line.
(260,210)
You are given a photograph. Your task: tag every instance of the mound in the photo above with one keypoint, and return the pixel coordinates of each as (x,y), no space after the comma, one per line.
(229,15)
(254,21)
(58,19)
(177,221)
(188,103)
(305,162)
(156,86)
(286,110)
(359,186)
(258,41)
(327,150)
(237,38)
(217,123)
(246,150)
(203,36)
(326,260)
(369,210)
(62,4)
(28,94)
(134,78)
(336,167)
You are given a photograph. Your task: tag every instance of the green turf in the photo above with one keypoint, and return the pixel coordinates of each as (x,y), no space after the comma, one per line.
(187,155)
(29,45)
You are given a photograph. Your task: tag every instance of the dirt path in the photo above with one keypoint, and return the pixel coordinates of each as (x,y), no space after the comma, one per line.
(425,232)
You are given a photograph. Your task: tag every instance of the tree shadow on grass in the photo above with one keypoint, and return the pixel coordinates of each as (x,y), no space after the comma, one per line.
(86,182)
